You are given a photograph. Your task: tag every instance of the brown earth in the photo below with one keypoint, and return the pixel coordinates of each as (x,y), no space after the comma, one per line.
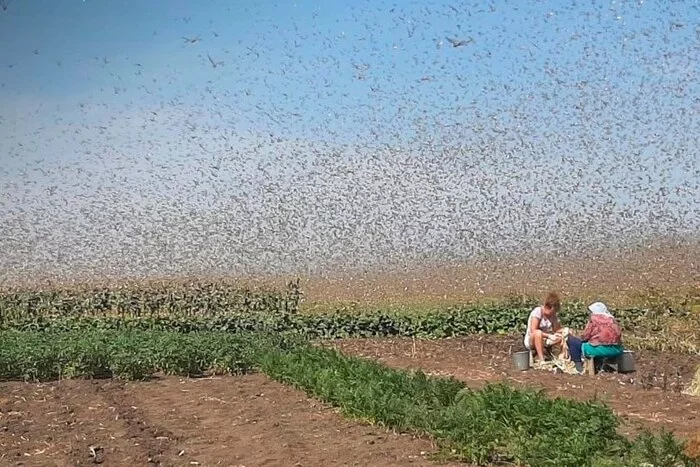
(233,421)
(649,397)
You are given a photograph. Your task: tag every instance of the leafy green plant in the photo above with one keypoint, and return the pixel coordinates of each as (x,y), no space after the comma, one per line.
(39,356)
(641,326)
(662,450)
(498,424)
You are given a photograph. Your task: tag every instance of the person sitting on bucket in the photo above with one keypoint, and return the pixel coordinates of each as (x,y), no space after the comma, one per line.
(602,337)
(543,327)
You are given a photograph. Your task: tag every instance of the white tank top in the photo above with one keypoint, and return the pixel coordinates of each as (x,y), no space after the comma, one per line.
(545,324)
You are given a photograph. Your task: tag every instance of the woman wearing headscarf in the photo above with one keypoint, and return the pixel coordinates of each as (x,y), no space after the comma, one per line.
(601,338)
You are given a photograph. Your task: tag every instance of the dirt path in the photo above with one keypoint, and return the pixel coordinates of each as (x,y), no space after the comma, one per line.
(233,421)
(639,398)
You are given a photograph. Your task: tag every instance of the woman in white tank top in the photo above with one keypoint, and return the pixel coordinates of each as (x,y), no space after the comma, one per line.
(542,326)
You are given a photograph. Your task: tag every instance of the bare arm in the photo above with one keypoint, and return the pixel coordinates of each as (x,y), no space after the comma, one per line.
(556,325)
(587,332)
(535,325)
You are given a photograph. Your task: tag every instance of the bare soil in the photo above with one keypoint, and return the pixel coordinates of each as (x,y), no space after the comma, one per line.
(232,421)
(650,397)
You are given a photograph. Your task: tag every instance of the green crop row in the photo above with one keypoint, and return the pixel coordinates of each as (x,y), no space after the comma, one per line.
(40,356)
(496,425)
(644,329)
(449,322)
(171,299)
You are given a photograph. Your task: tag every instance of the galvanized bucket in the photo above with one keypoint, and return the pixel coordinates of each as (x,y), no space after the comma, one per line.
(625,364)
(521,360)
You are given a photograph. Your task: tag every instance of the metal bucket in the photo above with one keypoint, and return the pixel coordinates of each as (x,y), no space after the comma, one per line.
(625,364)
(521,360)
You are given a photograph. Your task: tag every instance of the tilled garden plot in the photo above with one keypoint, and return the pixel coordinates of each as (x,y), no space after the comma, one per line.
(234,421)
(649,397)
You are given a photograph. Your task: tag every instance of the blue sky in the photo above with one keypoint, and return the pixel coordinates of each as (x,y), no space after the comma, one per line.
(306,58)
(310,110)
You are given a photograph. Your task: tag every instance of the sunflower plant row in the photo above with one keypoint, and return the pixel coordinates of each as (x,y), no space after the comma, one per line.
(188,299)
